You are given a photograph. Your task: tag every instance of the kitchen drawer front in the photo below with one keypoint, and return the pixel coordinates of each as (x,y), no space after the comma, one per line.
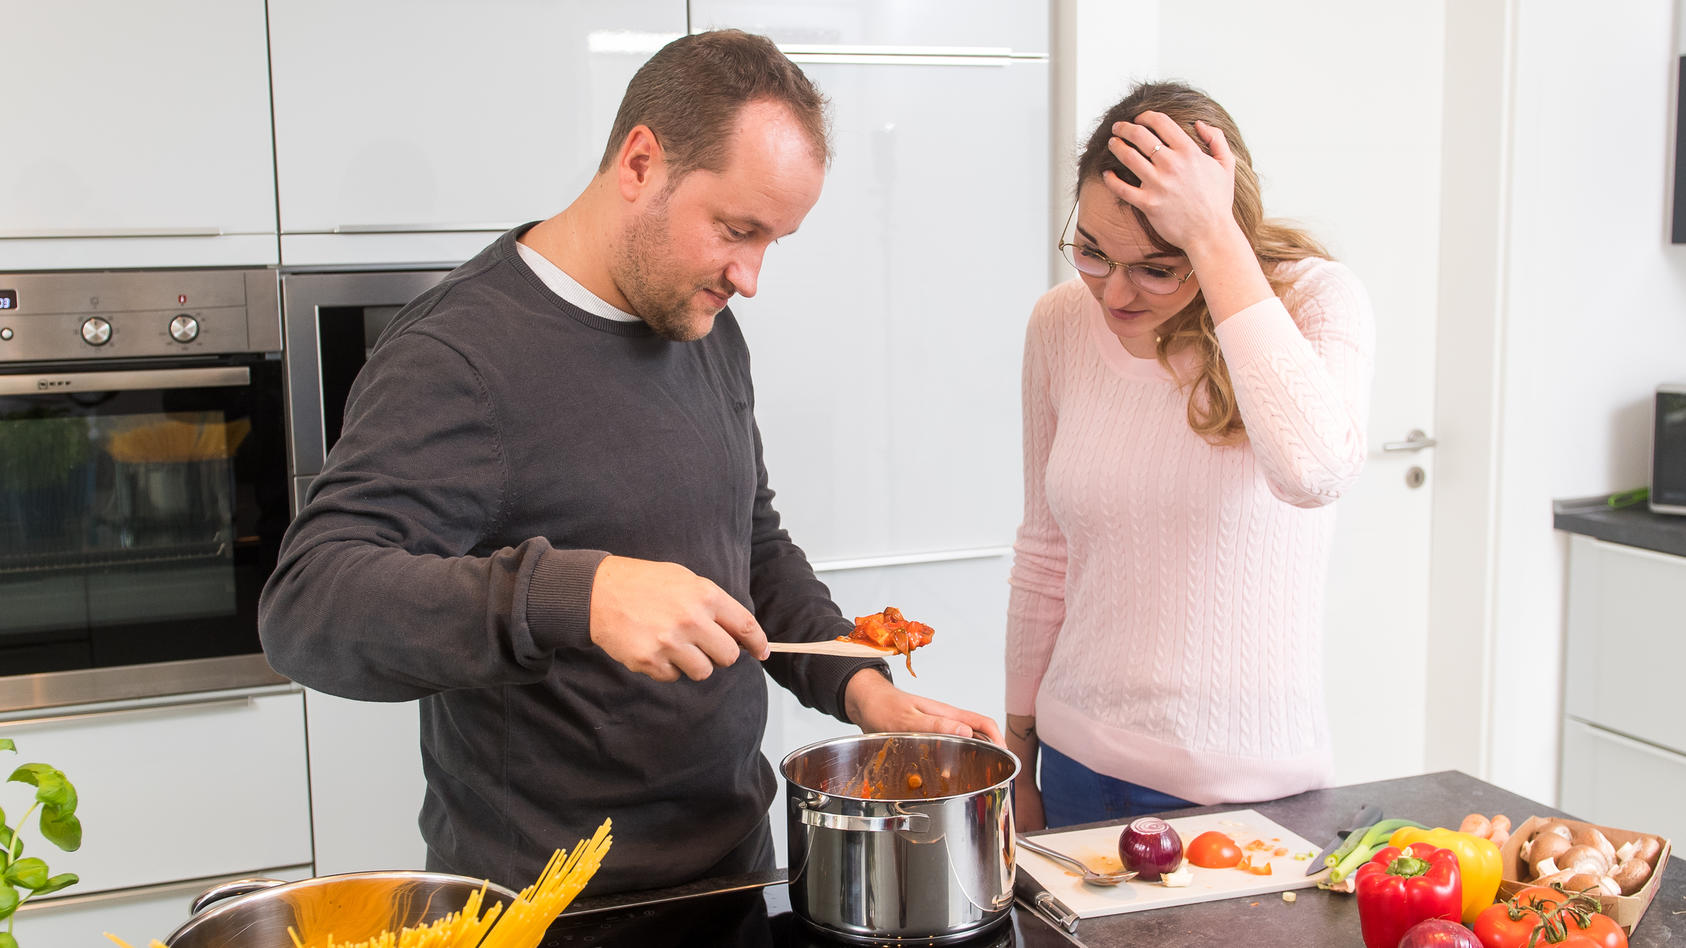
(1625,642)
(134,915)
(172,791)
(1616,781)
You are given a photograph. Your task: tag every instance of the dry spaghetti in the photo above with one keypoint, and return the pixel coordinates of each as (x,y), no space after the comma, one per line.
(521,924)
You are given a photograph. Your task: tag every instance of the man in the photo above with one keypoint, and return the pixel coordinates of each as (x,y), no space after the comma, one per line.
(548,519)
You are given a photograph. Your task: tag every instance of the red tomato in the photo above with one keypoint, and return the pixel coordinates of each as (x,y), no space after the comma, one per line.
(1601,932)
(1498,927)
(1213,850)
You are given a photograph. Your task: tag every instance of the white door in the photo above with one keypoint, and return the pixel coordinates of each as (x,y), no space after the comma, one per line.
(1340,105)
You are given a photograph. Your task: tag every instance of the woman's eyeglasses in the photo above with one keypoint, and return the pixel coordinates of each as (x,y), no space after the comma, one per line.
(1148,277)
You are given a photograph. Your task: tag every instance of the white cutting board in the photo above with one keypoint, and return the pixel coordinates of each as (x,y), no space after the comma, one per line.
(1099,848)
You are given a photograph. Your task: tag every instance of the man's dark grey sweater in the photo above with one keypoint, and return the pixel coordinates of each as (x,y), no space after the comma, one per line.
(498,445)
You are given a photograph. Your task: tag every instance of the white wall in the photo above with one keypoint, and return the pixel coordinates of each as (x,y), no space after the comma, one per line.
(1596,317)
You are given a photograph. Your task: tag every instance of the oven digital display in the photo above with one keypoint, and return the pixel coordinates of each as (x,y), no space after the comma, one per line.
(8,300)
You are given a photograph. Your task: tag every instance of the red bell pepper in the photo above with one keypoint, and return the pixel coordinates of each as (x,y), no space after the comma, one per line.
(1398,888)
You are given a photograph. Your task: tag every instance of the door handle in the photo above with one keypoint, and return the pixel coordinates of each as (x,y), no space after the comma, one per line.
(1415,440)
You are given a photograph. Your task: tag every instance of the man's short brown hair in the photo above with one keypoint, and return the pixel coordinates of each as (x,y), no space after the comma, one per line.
(690,91)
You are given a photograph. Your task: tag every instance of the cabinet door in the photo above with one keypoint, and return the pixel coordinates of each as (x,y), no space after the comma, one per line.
(1611,780)
(1000,24)
(887,332)
(136,134)
(134,915)
(411,132)
(362,751)
(177,791)
(1625,650)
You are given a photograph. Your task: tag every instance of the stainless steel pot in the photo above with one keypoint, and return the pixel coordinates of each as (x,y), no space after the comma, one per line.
(255,913)
(905,836)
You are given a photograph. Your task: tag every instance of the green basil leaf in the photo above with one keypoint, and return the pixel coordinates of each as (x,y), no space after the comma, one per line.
(30,774)
(7,745)
(50,784)
(7,840)
(28,873)
(54,790)
(63,830)
(7,941)
(8,900)
(63,880)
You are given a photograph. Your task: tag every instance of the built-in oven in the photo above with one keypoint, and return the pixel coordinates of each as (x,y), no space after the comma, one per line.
(143,481)
(331,320)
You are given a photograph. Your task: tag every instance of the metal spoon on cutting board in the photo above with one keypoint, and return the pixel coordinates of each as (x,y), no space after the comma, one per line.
(1090,876)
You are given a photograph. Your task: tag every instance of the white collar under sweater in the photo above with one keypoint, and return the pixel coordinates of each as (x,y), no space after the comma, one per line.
(569,288)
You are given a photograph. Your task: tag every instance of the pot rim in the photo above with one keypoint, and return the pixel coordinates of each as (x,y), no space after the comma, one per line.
(232,904)
(784,764)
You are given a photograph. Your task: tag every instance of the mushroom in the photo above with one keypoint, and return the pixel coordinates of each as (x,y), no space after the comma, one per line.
(1585,835)
(1546,846)
(1630,876)
(1584,859)
(1648,848)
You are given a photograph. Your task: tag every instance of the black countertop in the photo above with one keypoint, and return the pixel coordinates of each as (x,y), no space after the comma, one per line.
(1630,526)
(755,910)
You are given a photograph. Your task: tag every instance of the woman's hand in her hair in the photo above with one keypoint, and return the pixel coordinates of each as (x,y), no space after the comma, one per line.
(1186,191)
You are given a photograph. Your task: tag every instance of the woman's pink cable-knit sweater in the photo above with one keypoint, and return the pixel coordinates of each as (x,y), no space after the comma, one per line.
(1166,619)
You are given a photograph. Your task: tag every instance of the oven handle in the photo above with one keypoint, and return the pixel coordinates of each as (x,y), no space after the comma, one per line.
(125,380)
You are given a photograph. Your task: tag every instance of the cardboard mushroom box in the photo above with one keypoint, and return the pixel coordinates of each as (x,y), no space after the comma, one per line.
(1518,864)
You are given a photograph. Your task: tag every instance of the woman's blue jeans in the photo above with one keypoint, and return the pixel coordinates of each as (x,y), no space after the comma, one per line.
(1072,794)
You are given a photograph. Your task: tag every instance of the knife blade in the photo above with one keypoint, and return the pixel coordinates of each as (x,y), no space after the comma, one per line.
(1034,895)
(1366,816)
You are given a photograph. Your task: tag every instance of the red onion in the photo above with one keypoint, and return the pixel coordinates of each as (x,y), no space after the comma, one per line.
(1439,933)
(1150,847)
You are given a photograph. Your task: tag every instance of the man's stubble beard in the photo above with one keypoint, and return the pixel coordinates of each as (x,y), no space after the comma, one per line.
(645,280)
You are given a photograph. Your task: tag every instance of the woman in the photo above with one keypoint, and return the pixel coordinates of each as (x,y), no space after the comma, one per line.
(1193,403)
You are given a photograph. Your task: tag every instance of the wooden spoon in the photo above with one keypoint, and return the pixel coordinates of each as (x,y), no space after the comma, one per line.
(832,647)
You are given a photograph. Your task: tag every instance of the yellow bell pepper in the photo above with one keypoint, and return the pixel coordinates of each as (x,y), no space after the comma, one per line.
(1478,863)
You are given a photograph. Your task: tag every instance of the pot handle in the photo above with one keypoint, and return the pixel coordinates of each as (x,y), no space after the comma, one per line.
(229,890)
(902,822)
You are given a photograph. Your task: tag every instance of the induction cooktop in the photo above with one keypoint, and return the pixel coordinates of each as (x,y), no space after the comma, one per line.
(754,917)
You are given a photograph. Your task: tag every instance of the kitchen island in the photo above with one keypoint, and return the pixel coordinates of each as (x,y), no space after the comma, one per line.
(755,910)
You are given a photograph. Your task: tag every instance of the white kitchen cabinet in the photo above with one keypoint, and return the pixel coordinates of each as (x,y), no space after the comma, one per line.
(1626,641)
(414,132)
(964,600)
(1617,781)
(997,24)
(134,915)
(887,332)
(172,790)
(366,784)
(137,134)
(1624,739)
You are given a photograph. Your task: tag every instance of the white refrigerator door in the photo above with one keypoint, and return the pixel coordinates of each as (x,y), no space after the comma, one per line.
(887,332)
(1009,24)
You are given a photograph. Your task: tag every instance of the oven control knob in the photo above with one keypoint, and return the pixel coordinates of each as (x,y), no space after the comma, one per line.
(184,328)
(96,331)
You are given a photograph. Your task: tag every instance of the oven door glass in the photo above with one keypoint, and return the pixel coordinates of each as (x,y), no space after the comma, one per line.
(139,521)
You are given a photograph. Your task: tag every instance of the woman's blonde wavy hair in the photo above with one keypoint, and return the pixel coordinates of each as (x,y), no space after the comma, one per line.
(1212,411)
